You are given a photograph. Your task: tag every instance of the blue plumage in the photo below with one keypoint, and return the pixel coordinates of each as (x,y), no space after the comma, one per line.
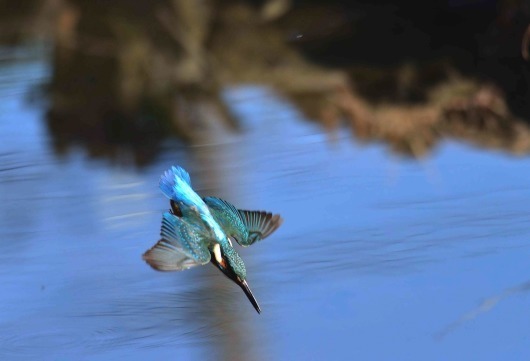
(175,183)
(197,231)
(188,237)
(247,227)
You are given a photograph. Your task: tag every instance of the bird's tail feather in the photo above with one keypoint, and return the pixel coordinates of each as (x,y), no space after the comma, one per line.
(169,181)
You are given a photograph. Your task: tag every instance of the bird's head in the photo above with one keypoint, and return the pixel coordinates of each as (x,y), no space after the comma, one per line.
(230,263)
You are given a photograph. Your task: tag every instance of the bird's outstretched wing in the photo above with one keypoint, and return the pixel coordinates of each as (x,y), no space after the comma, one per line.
(246,227)
(164,256)
(183,245)
(227,216)
(260,224)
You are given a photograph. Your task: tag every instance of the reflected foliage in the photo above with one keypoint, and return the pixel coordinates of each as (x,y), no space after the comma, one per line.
(127,74)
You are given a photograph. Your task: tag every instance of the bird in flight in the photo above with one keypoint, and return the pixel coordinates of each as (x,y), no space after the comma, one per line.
(196,231)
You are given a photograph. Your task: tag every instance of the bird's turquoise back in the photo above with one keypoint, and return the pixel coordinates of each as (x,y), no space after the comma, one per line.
(175,183)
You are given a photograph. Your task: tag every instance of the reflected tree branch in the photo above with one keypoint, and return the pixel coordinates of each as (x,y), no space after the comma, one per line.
(486,306)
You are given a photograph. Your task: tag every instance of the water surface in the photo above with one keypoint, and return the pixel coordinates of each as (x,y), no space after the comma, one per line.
(378,259)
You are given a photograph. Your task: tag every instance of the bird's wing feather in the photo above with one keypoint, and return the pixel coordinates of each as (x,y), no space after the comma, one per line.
(260,225)
(183,245)
(227,208)
(227,216)
(246,227)
(164,256)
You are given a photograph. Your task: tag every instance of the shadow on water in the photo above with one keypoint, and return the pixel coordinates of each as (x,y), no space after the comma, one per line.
(376,250)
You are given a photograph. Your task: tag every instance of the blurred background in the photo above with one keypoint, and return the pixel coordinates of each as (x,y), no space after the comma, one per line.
(393,137)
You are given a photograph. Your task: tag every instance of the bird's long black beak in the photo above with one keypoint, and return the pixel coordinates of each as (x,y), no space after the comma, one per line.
(241,283)
(244,286)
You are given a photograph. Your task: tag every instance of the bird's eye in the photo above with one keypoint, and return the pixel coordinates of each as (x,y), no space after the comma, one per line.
(175,209)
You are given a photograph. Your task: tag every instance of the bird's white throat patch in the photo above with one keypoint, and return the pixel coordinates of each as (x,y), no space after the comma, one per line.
(217,253)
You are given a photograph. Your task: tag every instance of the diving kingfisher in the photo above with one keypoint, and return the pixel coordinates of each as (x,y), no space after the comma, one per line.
(196,231)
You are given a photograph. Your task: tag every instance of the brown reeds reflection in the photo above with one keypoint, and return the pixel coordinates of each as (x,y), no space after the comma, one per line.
(124,76)
(456,108)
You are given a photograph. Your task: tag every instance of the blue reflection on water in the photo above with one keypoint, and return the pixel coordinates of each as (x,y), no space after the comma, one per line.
(377,253)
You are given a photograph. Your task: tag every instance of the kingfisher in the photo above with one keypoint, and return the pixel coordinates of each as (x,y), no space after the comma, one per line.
(196,231)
